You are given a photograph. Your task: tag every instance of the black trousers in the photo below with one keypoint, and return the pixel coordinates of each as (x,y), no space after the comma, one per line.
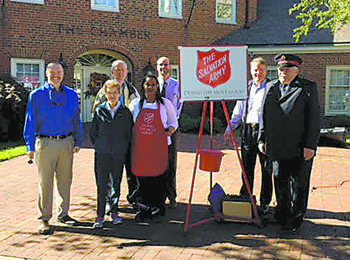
(249,152)
(152,190)
(172,165)
(131,178)
(292,183)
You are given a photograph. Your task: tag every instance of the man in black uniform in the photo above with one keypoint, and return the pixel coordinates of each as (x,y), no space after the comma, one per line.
(288,134)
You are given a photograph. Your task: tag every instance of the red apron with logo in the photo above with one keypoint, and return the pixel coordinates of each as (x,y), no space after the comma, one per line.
(149,149)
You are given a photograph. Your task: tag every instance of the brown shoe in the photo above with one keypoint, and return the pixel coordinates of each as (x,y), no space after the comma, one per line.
(44,227)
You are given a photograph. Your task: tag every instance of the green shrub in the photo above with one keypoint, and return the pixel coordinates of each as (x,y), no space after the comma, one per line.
(191,124)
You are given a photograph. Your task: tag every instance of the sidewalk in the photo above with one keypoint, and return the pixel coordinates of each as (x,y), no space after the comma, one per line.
(324,235)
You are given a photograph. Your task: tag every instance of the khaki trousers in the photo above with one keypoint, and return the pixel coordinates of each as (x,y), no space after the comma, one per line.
(54,159)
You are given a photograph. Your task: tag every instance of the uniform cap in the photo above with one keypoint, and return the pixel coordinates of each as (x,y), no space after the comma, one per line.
(287,60)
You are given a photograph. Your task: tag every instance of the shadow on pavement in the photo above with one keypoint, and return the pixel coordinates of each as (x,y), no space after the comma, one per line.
(230,235)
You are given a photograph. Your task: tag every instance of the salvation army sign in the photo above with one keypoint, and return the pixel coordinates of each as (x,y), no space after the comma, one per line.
(213,73)
(213,67)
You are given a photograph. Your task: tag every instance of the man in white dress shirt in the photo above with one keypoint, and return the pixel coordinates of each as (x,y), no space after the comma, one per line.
(247,113)
(169,89)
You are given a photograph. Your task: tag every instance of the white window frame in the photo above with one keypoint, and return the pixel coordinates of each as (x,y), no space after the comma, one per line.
(15,61)
(328,112)
(170,15)
(233,14)
(30,1)
(98,7)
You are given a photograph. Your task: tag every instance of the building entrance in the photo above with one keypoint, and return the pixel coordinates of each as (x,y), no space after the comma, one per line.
(91,70)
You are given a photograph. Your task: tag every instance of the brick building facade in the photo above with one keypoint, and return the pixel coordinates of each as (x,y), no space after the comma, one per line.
(89,35)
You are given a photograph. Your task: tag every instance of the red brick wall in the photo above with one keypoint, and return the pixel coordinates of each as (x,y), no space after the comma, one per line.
(252,11)
(137,31)
(4,63)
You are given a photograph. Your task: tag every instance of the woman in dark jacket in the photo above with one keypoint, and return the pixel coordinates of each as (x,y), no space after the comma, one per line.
(111,135)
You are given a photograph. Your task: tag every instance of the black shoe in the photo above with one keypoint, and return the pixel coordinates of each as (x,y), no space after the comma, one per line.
(173,204)
(132,197)
(155,211)
(67,220)
(263,209)
(44,228)
(297,222)
(140,216)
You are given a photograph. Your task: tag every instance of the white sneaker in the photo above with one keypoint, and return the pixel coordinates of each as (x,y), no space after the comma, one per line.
(99,222)
(116,219)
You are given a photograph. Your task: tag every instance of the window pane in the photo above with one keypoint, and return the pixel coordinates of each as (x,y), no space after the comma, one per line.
(338,100)
(27,72)
(339,91)
(170,6)
(20,68)
(272,74)
(224,9)
(105,2)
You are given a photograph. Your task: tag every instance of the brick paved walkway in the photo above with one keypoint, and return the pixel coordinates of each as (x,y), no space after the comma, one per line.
(324,235)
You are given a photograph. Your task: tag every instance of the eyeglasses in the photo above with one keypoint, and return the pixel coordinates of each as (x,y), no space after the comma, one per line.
(57,98)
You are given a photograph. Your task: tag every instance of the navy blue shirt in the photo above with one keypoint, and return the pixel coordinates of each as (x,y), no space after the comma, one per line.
(52,112)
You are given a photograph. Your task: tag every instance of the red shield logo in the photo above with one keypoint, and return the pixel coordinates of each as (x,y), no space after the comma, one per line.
(213,67)
(148,118)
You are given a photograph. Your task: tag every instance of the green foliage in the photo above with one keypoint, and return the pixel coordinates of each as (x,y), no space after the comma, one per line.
(190,121)
(190,124)
(324,14)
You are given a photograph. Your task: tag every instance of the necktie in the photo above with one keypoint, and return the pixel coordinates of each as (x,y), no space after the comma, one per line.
(163,89)
(126,96)
(284,89)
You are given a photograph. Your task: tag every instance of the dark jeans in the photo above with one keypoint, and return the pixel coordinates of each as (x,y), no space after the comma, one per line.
(108,172)
(250,151)
(172,165)
(130,177)
(292,183)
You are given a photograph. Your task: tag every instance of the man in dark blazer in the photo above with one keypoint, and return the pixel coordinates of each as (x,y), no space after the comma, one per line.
(288,134)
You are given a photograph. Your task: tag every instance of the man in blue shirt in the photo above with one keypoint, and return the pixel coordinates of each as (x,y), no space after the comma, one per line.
(53,132)
(169,89)
(248,114)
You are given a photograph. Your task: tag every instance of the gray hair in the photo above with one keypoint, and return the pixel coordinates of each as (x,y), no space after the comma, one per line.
(116,63)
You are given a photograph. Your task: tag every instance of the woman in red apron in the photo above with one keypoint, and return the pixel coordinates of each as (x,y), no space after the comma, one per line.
(155,121)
